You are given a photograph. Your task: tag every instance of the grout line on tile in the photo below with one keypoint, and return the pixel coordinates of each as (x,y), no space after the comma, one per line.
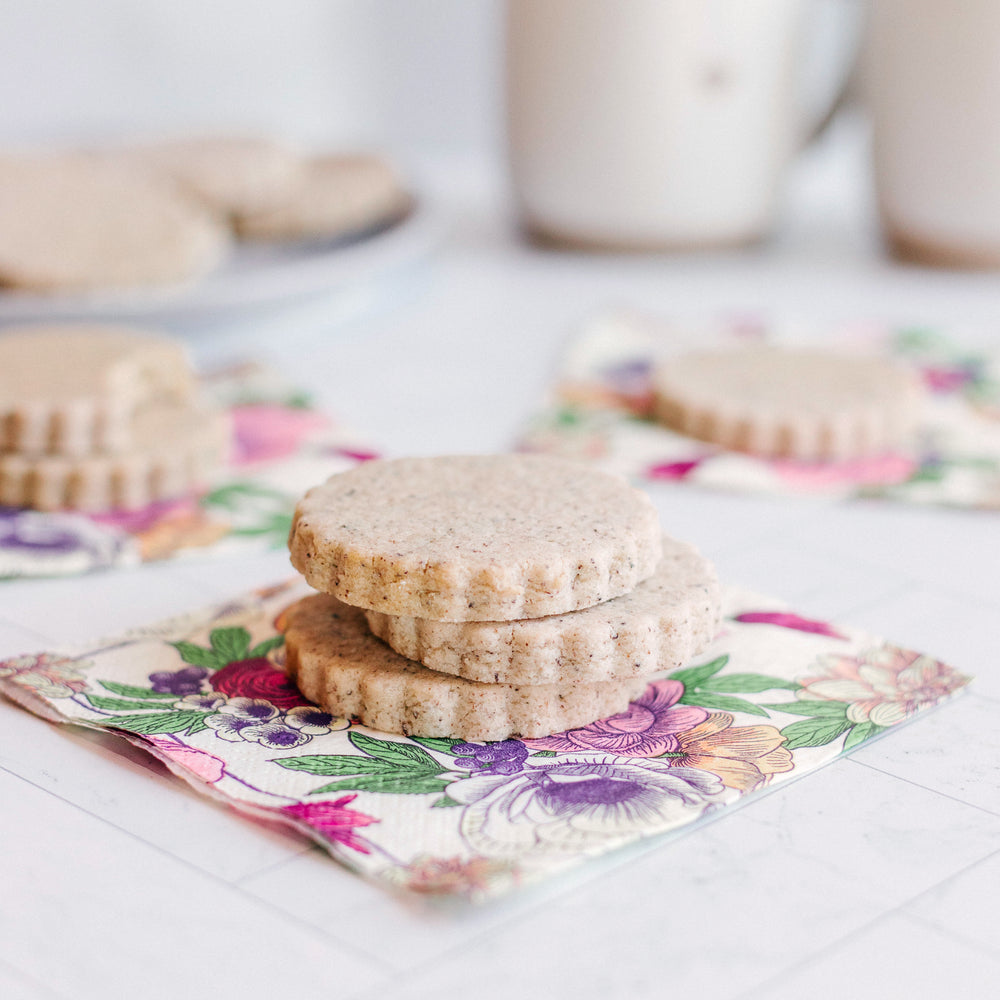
(42,989)
(926,788)
(234,886)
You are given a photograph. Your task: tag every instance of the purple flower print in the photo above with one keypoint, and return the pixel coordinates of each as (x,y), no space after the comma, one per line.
(578,802)
(203,702)
(647,728)
(274,735)
(313,721)
(179,682)
(239,714)
(502,757)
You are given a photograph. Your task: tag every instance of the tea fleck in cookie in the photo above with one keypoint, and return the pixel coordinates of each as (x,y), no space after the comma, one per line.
(778,402)
(75,223)
(659,625)
(175,449)
(475,537)
(334,196)
(72,389)
(229,174)
(337,663)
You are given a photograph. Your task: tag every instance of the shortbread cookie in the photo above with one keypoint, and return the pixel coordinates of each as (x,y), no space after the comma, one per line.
(475,537)
(72,390)
(229,174)
(175,449)
(338,663)
(335,196)
(660,625)
(788,403)
(73,223)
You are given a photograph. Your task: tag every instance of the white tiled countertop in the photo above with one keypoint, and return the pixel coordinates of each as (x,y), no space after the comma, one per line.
(878,876)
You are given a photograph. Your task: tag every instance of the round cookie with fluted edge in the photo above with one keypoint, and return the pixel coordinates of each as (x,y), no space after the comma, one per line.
(72,389)
(797,403)
(74,223)
(334,196)
(475,537)
(176,448)
(659,625)
(337,663)
(229,174)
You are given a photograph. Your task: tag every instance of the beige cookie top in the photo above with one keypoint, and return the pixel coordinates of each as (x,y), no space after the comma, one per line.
(338,663)
(790,403)
(74,223)
(660,625)
(229,174)
(475,537)
(72,389)
(334,196)
(175,449)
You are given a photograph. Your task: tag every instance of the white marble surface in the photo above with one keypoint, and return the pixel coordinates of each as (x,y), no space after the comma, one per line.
(876,877)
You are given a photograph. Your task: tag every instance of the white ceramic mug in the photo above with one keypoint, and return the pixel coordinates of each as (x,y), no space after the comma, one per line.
(933,84)
(652,123)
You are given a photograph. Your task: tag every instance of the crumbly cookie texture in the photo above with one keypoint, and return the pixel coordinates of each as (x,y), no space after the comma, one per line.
(660,625)
(779,402)
(74,223)
(176,448)
(474,537)
(336,662)
(229,174)
(72,390)
(334,195)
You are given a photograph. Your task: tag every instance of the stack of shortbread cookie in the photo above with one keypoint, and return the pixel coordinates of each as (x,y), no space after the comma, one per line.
(97,418)
(482,597)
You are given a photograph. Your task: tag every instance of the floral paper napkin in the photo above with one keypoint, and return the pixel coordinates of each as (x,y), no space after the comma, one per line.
(281,446)
(603,393)
(775,696)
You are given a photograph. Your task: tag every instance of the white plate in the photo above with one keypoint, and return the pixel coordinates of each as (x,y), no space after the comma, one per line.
(255,275)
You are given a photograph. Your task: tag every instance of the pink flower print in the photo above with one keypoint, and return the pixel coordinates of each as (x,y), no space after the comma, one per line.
(878,470)
(673,471)
(46,675)
(264,432)
(257,678)
(786,619)
(883,685)
(206,766)
(647,728)
(334,820)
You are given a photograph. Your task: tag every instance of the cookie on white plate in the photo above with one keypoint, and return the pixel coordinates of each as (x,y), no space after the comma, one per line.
(334,196)
(74,223)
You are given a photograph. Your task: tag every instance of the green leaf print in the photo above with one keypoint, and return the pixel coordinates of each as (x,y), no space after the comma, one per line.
(399,784)
(720,702)
(444,803)
(121,705)
(861,732)
(693,677)
(337,765)
(199,656)
(811,706)
(747,684)
(814,732)
(130,691)
(148,724)
(404,755)
(441,744)
(265,647)
(231,644)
